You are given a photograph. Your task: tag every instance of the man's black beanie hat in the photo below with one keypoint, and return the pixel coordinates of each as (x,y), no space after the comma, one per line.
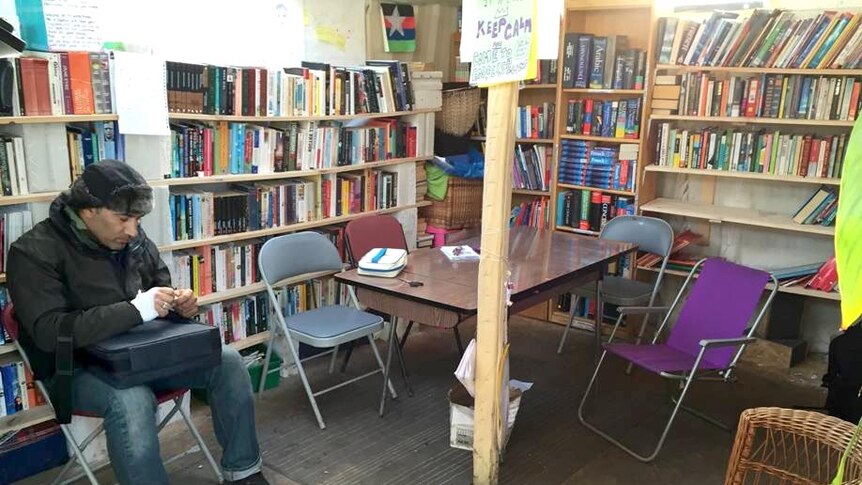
(118,187)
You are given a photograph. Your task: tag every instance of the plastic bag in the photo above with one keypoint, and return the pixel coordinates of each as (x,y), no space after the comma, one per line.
(466,371)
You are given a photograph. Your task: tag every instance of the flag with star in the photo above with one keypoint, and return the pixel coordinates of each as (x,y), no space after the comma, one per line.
(399,27)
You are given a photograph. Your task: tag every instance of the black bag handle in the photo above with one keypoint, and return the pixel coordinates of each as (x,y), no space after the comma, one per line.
(64,363)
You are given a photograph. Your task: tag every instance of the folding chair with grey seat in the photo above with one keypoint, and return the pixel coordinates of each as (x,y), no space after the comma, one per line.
(651,235)
(10,323)
(293,256)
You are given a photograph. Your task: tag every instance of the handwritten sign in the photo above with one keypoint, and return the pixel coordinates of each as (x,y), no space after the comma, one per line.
(504,46)
(72,25)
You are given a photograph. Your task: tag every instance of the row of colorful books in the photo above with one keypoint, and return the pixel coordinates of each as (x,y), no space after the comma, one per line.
(821,208)
(607,118)
(777,38)
(59,83)
(211,269)
(603,167)
(236,148)
(313,89)
(769,96)
(531,167)
(769,152)
(588,210)
(535,213)
(602,62)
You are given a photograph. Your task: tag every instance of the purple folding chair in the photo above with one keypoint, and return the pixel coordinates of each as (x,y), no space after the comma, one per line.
(705,343)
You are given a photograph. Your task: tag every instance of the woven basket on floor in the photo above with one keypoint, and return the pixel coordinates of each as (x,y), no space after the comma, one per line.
(462,206)
(791,446)
(459,112)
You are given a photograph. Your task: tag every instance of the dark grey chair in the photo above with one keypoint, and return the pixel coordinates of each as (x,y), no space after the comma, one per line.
(291,257)
(652,235)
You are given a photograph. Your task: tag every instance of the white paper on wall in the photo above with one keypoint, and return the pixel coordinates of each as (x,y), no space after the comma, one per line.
(141,96)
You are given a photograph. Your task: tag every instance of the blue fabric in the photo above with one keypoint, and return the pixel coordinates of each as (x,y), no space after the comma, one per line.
(470,165)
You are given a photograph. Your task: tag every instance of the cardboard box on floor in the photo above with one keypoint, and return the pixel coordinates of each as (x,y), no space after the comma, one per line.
(461,407)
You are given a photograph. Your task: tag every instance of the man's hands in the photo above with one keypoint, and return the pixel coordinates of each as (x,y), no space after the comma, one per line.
(158,301)
(185,303)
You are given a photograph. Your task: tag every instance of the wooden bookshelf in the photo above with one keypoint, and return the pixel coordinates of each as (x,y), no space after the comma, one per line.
(744,175)
(251,340)
(638,92)
(602,139)
(734,215)
(587,187)
(545,141)
(793,290)
(272,231)
(536,193)
(253,288)
(281,119)
(24,419)
(538,86)
(23,120)
(25,199)
(253,177)
(759,70)
(742,120)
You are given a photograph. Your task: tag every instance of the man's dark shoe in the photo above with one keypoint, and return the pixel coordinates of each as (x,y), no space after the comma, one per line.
(256,479)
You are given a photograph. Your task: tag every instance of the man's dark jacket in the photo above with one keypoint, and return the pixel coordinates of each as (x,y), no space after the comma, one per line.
(55,270)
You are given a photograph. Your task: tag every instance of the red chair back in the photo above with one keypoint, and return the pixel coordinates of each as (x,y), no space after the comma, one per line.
(9,322)
(366,233)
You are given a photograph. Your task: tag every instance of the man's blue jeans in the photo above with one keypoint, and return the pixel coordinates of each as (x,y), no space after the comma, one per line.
(133,444)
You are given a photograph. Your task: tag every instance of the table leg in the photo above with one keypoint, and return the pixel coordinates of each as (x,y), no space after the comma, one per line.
(390,346)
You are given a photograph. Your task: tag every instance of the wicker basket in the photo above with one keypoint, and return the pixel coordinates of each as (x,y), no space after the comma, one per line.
(460,110)
(461,208)
(775,445)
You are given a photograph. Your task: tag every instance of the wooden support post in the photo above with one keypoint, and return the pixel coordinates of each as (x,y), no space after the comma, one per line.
(491,332)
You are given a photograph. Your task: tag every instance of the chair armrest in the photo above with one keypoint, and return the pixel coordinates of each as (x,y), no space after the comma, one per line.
(635,310)
(725,342)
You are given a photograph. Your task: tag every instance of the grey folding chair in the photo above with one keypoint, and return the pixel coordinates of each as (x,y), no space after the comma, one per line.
(652,235)
(304,253)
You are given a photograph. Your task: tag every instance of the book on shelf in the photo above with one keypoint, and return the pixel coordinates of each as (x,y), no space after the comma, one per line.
(588,164)
(821,208)
(765,96)
(607,118)
(601,62)
(13,224)
(534,121)
(535,213)
(244,148)
(58,83)
(778,38)
(212,269)
(680,242)
(546,72)
(762,151)
(826,277)
(531,167)
(240,318)
(88,144)
(590,210)
(383,185)
(313,89)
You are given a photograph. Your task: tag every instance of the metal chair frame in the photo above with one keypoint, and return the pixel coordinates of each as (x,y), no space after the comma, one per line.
(291,337)
(79,447)
(612,226)
(686,378)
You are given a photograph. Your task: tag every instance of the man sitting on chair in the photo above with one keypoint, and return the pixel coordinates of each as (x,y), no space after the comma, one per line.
(91,260)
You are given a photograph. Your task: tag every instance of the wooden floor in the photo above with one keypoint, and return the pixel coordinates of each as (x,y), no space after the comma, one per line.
(410,445)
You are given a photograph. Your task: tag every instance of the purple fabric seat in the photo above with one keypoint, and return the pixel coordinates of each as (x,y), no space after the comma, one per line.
(659,357)
(719,306)
(716,318)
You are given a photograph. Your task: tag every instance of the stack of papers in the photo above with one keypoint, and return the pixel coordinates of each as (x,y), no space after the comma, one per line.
(460,253)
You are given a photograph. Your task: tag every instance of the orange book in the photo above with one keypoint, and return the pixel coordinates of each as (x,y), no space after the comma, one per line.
(81,83)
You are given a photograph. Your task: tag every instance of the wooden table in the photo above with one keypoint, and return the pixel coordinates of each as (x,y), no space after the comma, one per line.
(544,264)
